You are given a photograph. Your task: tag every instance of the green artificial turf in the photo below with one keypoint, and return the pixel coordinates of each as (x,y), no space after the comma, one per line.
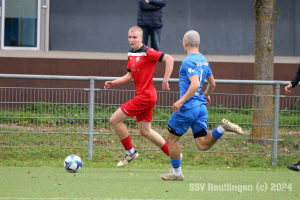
(130,183)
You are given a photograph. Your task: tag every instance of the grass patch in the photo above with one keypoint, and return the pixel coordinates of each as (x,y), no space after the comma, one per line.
(71,137)
(54,114)
(45,157)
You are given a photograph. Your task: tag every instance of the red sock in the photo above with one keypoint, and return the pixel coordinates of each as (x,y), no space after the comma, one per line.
(127,143)
(165,149)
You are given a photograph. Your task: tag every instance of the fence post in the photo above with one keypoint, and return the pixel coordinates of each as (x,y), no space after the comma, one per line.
(91,119)
(275,125)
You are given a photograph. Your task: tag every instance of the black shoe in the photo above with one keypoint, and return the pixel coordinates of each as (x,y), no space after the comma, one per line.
(295,167)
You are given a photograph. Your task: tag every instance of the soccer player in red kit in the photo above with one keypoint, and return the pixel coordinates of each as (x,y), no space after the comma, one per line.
(141,65)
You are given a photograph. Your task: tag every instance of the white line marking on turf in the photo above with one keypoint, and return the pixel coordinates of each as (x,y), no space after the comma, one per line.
(81,198)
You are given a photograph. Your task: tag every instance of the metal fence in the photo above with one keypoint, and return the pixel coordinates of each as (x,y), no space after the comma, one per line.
(79,118)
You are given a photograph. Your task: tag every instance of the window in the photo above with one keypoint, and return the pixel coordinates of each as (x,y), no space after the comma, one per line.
(20,25)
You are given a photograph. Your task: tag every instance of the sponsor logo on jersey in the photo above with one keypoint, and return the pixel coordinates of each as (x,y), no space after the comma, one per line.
(191,70)
(202,63)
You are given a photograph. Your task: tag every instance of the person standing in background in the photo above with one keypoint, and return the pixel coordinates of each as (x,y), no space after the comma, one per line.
(292,84)
(150,19)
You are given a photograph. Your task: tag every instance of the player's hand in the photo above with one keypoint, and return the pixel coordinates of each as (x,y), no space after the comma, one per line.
(288,89)
(176,106)
(147,1)
(208,100)
(165,86)
(108,84)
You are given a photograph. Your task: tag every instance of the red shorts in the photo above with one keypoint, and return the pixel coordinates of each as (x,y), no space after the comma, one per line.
(140,107)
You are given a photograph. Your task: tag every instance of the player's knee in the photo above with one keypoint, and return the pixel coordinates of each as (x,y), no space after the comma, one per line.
(170,141)
(112,121)
(144,133)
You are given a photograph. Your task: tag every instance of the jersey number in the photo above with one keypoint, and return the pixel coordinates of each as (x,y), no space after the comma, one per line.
(200,78)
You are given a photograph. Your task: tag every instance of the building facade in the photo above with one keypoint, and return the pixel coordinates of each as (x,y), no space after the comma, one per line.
(226,27)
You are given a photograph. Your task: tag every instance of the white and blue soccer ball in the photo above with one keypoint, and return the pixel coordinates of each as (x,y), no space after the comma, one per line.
(73,163)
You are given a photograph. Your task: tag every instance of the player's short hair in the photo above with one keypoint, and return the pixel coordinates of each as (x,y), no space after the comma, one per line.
(192,38)
(136,28)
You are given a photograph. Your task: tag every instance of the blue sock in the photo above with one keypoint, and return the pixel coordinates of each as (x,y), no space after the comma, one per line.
(216,134)
(176,163)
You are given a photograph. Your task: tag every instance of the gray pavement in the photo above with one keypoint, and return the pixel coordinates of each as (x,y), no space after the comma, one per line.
(123,56)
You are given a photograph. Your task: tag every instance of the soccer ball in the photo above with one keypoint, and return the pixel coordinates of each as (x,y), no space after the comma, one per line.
(73,163)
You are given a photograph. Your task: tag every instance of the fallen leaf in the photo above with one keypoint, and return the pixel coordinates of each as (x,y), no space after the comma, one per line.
(286,149)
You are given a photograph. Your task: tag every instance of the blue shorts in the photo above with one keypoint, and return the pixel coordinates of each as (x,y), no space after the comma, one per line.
(196,118)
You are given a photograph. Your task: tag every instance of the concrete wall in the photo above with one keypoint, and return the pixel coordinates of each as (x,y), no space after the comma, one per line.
(226,27)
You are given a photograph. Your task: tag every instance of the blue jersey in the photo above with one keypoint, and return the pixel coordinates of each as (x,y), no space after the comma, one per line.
(193,64)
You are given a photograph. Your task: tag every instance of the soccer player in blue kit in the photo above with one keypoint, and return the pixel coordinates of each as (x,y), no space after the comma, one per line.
(190,110)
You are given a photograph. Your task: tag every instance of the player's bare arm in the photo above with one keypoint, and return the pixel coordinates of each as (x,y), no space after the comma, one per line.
(169,60)
(209,89)
(195,84)
(124,79)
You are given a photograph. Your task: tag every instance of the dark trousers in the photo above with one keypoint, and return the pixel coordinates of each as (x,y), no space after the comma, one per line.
(154,34)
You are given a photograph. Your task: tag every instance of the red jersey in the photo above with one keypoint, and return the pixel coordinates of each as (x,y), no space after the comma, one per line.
(141,64)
